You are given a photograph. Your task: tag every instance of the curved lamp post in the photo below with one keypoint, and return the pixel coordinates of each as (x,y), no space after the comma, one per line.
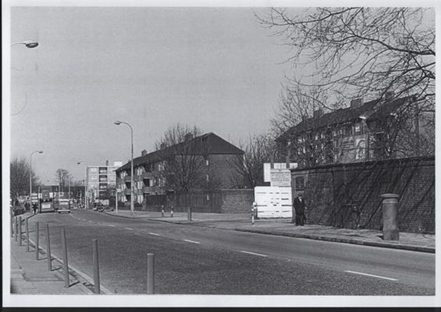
(28,44)
(30,173)
(132,187)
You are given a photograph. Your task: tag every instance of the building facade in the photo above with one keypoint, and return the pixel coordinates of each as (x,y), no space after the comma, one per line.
(199,163)
(362,132)
(101,183)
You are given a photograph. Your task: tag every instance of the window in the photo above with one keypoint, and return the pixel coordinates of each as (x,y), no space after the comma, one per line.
(208,178)
(300,183)
(357,128)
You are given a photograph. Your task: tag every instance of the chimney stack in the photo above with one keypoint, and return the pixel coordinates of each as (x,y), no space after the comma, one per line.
(389,95)
(318,113)
(143,152)
(356,102)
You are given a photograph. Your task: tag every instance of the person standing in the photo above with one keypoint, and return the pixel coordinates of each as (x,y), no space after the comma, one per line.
(27,206)
(34,207)
(300,206)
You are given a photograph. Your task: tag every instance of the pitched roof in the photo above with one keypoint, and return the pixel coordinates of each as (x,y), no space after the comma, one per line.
(373,110)
(206,144)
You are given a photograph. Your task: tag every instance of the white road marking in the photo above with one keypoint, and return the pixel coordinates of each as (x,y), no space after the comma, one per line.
(111,225)
(90,221)
(371,275)
(154,234)
(129,229)
(190,241)
(253,253)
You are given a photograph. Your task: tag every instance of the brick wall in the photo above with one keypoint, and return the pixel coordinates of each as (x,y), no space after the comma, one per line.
(349,195)
(237,200)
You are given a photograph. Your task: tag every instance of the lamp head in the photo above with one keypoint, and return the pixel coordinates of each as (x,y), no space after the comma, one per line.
(117,123)
(41,152)
(30,44)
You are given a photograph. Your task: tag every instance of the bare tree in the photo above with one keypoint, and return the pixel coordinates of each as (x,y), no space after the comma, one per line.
(182,167)
(362,51)
(375,53)
(19,177)
(63,178)
(249,166)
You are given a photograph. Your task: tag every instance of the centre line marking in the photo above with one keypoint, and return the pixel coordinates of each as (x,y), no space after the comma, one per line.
(190,241)
(129,229)
(253,253)
(154,234)
(111,225)
(371,275)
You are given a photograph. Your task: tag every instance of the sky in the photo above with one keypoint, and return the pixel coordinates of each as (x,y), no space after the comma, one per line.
(152,67)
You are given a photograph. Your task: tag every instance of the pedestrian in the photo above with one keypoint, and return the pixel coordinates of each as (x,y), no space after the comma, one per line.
(27,206)
(34,207)
(300,207)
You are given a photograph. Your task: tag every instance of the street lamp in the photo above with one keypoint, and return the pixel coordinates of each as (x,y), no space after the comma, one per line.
(28,44)
(85,186)
(30,173)
(132,195)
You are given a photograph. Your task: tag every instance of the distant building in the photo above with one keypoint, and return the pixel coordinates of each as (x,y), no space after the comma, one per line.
(101,182)
(364,131)
(209,159)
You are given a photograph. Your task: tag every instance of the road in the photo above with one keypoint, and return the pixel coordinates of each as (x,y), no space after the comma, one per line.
(200,260)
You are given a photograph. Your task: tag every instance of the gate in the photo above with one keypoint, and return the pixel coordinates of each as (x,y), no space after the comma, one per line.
(273,201)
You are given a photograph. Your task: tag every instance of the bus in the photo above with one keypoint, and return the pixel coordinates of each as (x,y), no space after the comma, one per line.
(48,201)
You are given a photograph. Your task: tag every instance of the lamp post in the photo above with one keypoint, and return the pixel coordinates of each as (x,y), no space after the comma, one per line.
(132,195)
(30,173)
(27,43)
(85,186)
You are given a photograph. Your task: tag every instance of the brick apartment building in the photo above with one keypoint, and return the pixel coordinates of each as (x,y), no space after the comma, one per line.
(211,156)
(361,132)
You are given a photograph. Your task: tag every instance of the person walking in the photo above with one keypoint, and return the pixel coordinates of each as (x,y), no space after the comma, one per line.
(34,207)
(300,207)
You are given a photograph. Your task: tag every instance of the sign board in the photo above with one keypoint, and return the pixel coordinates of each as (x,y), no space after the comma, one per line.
(280,177)
(267,169)
(273,202)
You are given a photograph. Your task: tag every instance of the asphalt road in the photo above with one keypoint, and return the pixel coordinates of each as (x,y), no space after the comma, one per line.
(200,260)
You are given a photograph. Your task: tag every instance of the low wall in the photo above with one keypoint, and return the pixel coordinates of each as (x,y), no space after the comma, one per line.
(348,195)
(220,201)
(237,201)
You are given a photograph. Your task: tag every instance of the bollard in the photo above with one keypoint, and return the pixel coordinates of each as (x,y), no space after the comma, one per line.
(150,273)
(390,223)
(37,240)
(189,213)
(65,264)
(162,211)
(253,210)
(16,228)
(171,212)
(27,234)
(19,232)
(96,267)
(48,247)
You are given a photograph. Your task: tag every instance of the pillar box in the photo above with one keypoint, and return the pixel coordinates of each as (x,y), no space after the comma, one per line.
(390,221)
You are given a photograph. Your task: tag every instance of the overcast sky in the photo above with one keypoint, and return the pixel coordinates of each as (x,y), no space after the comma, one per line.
(215,68)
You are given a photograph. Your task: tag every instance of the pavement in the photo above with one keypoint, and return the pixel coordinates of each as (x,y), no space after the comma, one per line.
(31,276)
